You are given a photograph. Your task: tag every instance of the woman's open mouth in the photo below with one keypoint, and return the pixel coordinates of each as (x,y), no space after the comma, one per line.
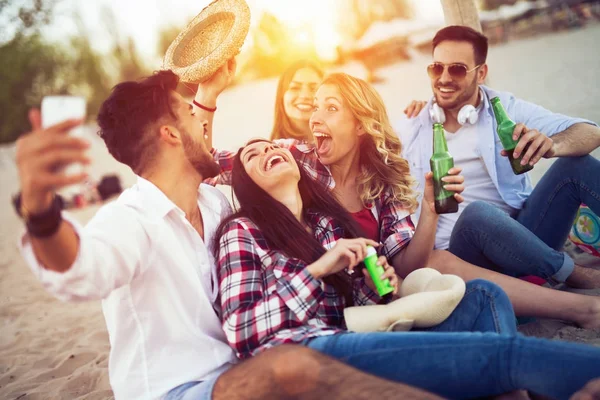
(273,160)
(323,142)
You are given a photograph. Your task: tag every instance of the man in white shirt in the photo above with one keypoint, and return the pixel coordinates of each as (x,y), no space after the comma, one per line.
(504,225)
(148,255)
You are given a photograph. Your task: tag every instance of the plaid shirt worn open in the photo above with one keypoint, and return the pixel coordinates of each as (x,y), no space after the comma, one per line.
(395,225)
(268,298)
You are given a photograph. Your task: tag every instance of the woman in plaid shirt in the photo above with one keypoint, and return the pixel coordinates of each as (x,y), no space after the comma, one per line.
(283,262)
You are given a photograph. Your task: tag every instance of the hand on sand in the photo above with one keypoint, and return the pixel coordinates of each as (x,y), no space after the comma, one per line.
(414,108)
(346,253)
(454,182)
(41,156)
(388,274)
(533,144)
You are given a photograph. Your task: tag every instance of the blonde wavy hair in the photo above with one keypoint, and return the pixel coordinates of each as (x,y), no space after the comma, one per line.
(381,164)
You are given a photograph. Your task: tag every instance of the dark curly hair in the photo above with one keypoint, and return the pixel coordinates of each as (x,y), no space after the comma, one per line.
(130,114)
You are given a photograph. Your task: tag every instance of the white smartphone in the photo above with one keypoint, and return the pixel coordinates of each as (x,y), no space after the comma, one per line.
(56,109)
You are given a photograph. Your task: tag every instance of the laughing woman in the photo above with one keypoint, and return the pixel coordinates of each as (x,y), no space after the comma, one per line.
(283,263)
(294,101)
(357,156)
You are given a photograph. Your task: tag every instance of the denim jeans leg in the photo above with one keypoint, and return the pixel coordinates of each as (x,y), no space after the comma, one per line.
(484,308)
(490,238)
(467,365)
(551,208)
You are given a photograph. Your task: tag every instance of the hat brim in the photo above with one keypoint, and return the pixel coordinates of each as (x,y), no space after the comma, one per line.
(209,40)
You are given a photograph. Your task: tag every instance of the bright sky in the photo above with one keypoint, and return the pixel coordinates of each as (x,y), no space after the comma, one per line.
(142,19)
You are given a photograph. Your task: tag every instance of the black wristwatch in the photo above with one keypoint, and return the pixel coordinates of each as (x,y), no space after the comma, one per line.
(42,224)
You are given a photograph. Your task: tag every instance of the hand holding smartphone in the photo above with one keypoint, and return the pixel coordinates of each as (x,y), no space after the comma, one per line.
(56,109)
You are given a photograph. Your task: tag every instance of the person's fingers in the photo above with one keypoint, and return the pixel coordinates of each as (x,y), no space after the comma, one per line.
(524,141)
(35,119)
(351,257)
(418,108)
(542,152)
(64,127)
(456,179)
(504,153)
(459,198)
(62,142)
(59,158)
(359,249)
(368,242)
(518,131)
(394,283)
(56,181)
(455,171)
(458,188)
(533,149)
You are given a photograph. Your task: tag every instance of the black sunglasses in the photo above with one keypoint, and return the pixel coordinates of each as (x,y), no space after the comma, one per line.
(456,71)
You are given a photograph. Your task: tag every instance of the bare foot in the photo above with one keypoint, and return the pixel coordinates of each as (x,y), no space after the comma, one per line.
(587,316)
(591,391)
(584,278)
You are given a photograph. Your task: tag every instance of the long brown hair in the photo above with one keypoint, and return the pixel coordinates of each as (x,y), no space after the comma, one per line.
(282,126)
(381,164)
(280,228)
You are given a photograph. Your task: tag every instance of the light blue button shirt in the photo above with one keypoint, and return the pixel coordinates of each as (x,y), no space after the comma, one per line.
(416,137)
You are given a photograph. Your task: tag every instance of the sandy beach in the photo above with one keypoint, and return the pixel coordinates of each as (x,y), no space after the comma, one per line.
(54,350)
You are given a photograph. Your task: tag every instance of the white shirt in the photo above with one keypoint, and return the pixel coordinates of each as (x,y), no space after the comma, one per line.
(462,145)
(157,281)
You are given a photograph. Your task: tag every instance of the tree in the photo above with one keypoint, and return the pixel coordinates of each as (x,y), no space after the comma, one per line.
(30,69)
(24,17)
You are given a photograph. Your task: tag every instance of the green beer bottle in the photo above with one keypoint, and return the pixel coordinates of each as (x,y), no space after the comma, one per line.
(441,161)
(506,127)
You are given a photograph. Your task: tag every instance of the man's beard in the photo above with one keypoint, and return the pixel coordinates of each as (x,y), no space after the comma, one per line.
(200,159)
(462,99)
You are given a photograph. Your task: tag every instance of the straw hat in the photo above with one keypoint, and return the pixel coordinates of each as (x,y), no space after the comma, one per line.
(427,299)
(210,39)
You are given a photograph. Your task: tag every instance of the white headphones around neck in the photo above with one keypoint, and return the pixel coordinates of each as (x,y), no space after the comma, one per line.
(467,113)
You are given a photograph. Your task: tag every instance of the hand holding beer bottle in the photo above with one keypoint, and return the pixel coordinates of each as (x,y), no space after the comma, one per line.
(523,147)
(443,181)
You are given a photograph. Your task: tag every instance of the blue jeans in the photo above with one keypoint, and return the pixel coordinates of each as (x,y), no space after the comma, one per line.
(467,365)
(484,308)
(530,243)
(200,390)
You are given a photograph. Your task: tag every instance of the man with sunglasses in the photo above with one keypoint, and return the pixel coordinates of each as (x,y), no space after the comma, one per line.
(504,224)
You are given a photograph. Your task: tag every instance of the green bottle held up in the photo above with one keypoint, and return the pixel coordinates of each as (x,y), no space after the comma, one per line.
(506,127)
(441,161)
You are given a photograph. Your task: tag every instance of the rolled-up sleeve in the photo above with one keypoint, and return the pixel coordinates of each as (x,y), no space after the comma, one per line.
(537,117)
(111,250)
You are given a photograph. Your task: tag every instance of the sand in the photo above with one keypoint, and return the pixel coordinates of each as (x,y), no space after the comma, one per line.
(54,350)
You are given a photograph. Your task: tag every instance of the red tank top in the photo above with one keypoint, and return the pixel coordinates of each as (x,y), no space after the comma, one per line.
(367,222)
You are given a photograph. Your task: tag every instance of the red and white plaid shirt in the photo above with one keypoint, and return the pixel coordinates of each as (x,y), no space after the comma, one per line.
(270,299)
(395,225)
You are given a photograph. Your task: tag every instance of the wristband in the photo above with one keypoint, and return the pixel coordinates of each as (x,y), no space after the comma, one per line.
(204,107)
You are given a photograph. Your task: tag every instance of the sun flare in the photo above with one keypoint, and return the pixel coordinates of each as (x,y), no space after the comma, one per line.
(309,21)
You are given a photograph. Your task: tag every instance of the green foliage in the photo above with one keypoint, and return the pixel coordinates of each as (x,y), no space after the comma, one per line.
(30,69)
